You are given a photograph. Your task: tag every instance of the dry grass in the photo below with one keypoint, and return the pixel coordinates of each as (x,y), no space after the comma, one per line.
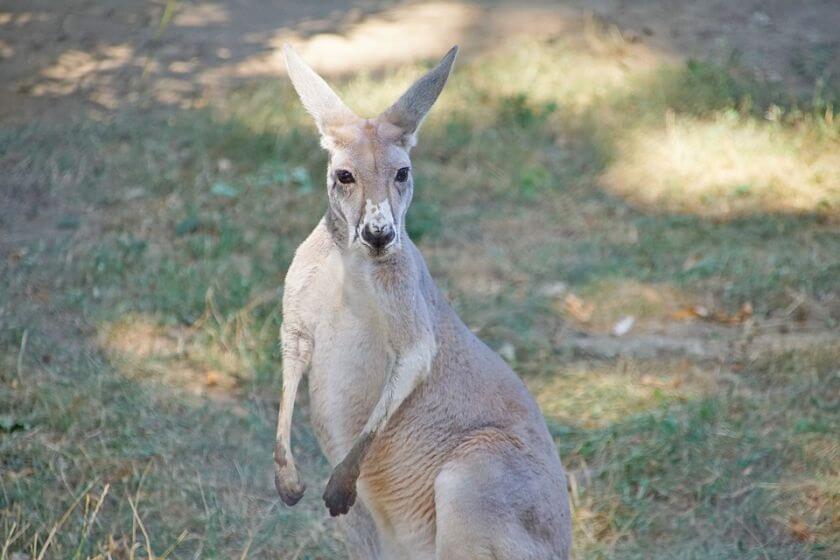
(726,166)
(596,395)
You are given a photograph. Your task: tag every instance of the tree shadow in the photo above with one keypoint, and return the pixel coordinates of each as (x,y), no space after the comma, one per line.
(112,55)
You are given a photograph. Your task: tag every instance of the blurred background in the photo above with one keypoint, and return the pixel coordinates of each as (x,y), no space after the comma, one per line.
(636,203)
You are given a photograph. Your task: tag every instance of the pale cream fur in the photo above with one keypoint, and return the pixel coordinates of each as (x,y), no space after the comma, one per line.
(447,451)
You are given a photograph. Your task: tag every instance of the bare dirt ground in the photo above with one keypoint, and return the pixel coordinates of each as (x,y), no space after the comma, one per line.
(84,55)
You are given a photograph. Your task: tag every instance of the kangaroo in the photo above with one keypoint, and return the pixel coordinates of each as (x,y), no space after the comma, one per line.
(438,450)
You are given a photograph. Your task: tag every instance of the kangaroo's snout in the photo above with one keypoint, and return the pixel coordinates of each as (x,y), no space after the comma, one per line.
(378,237)
(378,231)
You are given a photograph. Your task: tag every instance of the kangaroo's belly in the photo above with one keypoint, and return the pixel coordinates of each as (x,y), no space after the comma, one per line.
(350,360)
(397,485)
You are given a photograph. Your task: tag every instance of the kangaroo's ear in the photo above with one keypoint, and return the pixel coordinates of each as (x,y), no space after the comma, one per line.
(329,112)
(410,109)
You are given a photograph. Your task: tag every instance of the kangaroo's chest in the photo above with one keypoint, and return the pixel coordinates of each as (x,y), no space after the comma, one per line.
(350,361)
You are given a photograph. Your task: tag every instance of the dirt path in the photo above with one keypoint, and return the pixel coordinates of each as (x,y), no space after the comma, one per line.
(100,55)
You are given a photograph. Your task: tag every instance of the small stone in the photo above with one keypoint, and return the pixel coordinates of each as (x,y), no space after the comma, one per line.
(508,352)
(623,326)
(760,18)
(554,289)
(224,165)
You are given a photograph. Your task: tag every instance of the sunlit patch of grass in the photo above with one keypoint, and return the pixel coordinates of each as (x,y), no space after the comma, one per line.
(726,166)
(558,72)
(651,305)
(219,354)
(591,396)
(544,72)
(144,349)
(411,31)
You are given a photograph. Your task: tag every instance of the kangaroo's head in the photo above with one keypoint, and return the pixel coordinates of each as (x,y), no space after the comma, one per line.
(369,181)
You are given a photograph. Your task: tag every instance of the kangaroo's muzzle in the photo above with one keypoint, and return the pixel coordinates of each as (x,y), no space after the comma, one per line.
(378,237)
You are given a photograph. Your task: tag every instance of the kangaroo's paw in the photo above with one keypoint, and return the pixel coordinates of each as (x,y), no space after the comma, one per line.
(340,494)
(288,484)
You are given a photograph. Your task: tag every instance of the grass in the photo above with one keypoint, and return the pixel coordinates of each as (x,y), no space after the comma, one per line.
(719,470)
(139,372)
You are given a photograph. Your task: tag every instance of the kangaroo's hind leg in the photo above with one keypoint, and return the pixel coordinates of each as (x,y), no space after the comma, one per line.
(360,534)
(500,506)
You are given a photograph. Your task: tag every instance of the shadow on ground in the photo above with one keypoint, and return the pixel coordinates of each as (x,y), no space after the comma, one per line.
(111,55)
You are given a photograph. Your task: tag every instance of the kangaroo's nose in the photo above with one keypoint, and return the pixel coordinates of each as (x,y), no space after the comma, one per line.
(377,237)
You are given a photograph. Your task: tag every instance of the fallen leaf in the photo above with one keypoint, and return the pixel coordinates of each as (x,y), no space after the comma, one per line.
(684,314)
(577,308)
(744,313)
(701,312)
(799,530)
(212,378)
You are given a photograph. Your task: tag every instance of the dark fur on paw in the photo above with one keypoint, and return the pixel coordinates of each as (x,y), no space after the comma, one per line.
(340,494)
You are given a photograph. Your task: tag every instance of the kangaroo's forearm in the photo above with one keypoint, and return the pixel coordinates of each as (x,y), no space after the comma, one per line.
(297,355)
(291,379)
(411,368)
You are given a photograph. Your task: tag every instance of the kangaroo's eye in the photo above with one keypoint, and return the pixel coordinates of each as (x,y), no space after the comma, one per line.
(344,177)
(402,175)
